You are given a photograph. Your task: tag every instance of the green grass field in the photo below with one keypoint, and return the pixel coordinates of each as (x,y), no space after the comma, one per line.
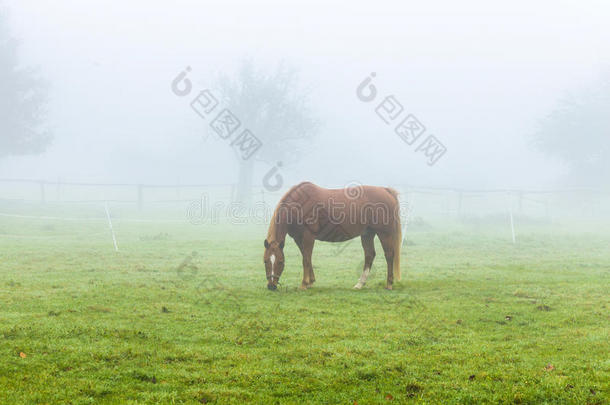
(182,315)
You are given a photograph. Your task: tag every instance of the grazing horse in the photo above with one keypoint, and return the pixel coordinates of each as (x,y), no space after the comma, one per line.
(308,213)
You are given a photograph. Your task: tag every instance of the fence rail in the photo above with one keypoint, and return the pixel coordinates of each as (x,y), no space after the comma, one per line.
(424,200)
(27,200)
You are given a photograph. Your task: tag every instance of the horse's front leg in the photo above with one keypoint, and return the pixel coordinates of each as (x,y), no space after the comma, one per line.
(306,247)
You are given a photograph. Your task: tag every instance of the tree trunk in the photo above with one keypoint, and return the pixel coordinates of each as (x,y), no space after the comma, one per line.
(244,182)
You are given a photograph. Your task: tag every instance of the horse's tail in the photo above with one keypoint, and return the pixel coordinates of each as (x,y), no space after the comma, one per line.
(396,236)
(397,245)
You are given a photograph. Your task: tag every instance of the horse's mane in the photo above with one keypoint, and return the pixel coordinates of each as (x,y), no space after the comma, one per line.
(392,192)
(272,226)
(271,234)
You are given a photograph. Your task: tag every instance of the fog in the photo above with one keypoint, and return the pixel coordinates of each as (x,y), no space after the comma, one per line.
(480,76)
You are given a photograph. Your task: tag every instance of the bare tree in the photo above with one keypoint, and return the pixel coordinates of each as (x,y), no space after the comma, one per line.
(578,133)
(276,110)
(23,97)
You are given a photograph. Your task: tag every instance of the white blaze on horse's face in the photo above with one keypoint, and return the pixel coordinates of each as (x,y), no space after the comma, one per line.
(274,262)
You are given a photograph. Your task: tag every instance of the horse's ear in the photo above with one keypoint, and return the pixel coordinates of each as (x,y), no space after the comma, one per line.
(282,244)
(266,244)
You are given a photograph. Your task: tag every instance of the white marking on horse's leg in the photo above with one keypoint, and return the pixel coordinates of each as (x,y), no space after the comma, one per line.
(362,281)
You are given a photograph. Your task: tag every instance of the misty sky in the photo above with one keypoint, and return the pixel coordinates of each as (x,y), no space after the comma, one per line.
(480,75)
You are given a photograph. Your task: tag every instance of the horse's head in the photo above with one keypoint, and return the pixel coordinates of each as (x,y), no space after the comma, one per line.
(274,262)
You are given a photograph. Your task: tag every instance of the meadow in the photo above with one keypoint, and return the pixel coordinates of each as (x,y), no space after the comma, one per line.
(181,314)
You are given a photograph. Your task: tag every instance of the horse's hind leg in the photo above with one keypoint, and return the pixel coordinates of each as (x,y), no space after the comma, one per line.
(368,244)
(388,250)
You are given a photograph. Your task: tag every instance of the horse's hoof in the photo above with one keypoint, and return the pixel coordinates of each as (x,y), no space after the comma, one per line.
(303,287)
(388,287)
(358,286)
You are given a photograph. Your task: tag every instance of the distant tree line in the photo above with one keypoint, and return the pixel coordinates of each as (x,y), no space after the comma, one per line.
(578,133)
(23,101)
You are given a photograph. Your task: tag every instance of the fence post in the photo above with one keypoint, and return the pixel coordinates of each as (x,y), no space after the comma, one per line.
(140,196)
(58,189)
(510,214)
(521,202)
(42,193)
(116,247)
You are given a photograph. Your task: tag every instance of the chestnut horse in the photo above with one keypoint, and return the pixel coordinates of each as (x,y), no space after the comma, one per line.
(308,213)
